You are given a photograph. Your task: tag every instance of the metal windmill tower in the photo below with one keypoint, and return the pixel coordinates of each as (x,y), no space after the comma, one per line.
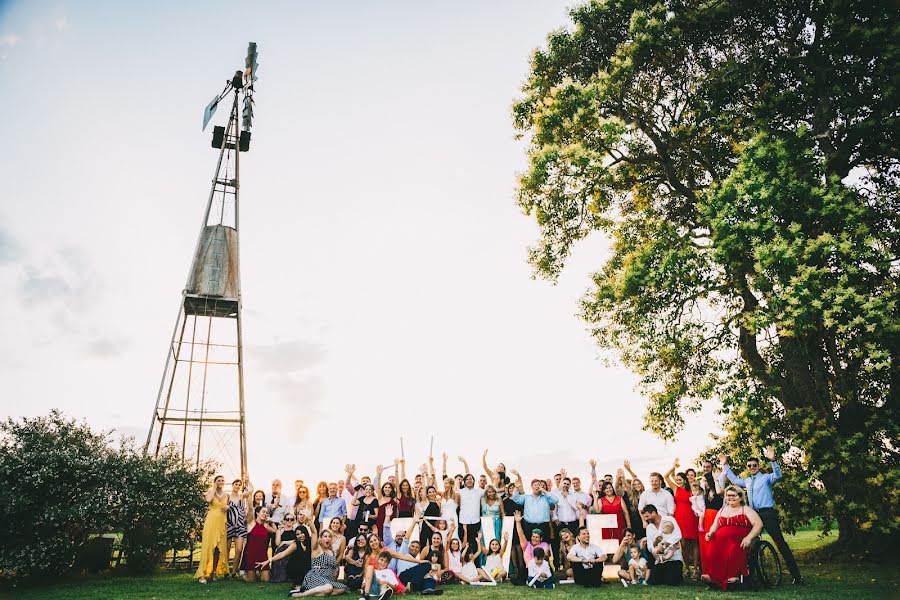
(200,402)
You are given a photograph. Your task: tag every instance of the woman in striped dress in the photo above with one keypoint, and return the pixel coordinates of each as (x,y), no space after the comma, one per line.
(236,528)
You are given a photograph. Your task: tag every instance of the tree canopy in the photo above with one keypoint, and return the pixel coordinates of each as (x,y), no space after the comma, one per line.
(742,159)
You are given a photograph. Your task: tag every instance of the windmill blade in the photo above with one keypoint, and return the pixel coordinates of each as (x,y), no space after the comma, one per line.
(210,111)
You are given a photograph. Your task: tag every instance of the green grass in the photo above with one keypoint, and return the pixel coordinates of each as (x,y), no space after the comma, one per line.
(822,581)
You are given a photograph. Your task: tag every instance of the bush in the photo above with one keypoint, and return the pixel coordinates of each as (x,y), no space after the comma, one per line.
(60,483)
(163,504)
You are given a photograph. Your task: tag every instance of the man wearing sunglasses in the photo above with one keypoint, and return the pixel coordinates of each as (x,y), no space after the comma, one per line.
(759,496)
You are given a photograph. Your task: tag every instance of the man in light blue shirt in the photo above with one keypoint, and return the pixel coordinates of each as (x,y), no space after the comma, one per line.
(536,505)
(331,507)
(759,497)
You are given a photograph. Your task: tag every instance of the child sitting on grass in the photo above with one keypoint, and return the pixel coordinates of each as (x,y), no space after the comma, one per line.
(493,558)
(385,582)
(470,572)
(638,571)
(539,574)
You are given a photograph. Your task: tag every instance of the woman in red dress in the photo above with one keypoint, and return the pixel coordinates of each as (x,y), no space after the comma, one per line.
(729,540)
(387,495)
(687,521)
(611,504)
(256,550)
(712,496)
(406,504)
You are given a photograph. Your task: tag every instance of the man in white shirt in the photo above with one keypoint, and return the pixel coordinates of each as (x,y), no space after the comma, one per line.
(658,497)
(580,497)
(278,505)
(539,574)
(586,560)
(470,510)
(565,513)
(668,572)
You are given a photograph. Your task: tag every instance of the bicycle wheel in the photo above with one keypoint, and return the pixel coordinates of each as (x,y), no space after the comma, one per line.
(768,564)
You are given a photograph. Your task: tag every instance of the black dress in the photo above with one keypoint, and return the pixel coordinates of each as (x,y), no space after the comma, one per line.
(432,510)
(637,526)
(299,563)
(509,509)
(367,512)
(279,568)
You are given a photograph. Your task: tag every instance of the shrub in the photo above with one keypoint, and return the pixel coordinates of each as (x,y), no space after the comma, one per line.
(163,503)
(60,483)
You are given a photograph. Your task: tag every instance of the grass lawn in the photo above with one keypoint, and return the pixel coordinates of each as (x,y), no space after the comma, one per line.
(822,581)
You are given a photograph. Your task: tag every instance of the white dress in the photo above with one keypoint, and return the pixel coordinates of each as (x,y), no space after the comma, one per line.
(493,564)
(448,511)
(469,570)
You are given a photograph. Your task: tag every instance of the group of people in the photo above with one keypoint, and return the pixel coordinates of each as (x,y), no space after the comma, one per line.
(344,539)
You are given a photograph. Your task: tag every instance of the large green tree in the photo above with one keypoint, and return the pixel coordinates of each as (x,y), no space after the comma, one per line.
(742,159)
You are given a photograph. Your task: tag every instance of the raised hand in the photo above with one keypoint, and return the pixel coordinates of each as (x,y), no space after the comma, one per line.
(562,473)
(379,469)
(620,473)
(444,456)
(350,469)
(627,464)
(675,464)
(518,516)
(485,453)
(388,510)
(593,463)
(505,536)
(461,459)
(516,473)
(723,460)
(770,453)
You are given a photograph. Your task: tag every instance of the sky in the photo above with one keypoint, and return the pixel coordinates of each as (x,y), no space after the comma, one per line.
(385,286)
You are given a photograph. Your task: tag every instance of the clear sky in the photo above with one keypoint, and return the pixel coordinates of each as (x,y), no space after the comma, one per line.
(385,285)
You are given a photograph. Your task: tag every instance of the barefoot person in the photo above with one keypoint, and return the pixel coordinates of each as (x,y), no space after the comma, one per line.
(255,550)
(214,549)
(236,528)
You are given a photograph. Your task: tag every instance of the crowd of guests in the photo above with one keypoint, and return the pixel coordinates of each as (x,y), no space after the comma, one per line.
(682,524)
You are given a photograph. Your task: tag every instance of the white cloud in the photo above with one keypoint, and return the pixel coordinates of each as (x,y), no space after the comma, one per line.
(9,39)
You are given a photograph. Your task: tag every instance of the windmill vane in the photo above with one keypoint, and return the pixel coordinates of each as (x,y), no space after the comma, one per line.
(242,81)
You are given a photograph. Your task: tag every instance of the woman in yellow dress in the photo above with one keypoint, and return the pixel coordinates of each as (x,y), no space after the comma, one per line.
(213,551)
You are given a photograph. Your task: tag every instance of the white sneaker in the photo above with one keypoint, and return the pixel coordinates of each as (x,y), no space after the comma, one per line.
(624,583)
(386,594)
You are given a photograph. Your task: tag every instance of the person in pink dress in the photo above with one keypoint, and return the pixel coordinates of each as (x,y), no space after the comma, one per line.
(610,504)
